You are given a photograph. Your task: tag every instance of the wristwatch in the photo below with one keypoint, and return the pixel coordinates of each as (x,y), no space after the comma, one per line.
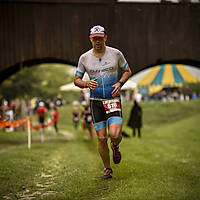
(121,83)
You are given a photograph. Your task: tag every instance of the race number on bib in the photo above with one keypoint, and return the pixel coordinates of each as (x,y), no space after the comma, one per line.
(112,105)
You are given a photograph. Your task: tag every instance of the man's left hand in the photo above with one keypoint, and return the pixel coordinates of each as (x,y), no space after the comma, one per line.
(116,91)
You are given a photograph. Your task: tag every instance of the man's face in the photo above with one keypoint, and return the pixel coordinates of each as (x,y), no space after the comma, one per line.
(98,43)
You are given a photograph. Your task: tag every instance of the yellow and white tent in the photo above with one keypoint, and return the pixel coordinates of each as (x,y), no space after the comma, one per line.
(166,75)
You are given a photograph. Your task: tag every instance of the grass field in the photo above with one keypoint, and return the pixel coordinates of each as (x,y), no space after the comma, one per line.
(163,165)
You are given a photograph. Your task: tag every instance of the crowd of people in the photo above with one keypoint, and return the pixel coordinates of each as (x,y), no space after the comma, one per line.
(11,110)
(170,94)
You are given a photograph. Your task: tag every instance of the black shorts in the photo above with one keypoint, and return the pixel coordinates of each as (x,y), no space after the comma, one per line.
(41,119)
(108,110)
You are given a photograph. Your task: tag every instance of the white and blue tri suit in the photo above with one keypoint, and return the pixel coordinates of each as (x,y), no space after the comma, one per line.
(107,71)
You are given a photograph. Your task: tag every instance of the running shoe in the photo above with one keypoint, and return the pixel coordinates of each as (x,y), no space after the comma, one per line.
(116,153)
(107,173)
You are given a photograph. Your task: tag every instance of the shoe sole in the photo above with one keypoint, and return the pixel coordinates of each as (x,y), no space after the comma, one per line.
(106,177)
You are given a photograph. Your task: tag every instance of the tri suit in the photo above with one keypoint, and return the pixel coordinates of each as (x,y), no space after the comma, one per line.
(107,71)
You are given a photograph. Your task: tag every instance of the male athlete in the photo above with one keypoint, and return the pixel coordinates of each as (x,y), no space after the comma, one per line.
(103,64)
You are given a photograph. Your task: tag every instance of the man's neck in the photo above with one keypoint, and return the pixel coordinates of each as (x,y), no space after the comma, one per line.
(99,53)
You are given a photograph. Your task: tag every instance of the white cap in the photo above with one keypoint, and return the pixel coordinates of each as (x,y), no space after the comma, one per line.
(97,31)
(41,103)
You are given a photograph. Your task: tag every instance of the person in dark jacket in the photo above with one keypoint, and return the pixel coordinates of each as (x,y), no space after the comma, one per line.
(135,119)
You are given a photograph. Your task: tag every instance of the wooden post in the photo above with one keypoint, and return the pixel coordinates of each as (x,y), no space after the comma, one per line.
(29,134)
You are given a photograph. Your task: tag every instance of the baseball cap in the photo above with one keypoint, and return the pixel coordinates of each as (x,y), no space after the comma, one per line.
(41,103)
(97,31)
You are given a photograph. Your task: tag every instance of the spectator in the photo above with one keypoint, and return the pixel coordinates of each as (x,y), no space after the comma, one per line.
(41,110)
(135,119)
(194,95)
(187,93)
(88,120)
(55,118)
(75,117)
(138,97)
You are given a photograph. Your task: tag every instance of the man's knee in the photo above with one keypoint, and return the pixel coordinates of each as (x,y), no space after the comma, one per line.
(116,135)
(102,138)
(115,132)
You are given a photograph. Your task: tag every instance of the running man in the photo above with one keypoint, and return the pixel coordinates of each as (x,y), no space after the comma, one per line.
(103,65)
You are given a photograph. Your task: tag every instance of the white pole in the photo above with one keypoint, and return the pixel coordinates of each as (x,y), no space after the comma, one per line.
(29,134)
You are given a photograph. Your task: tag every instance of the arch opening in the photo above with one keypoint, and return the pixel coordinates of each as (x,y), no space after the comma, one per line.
(5,74)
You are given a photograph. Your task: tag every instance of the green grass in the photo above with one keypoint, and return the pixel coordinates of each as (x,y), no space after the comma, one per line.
(163,164)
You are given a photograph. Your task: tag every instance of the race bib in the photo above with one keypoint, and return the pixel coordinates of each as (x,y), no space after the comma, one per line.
(112,105)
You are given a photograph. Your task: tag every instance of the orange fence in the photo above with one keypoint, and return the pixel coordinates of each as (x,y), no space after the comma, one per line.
(17,123)
(37,127)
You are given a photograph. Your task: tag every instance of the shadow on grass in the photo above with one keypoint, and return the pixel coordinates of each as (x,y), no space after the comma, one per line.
(12,142)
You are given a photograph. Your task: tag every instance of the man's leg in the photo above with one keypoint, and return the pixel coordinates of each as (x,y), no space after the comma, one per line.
(103,147)
(55,126)
(116,137)
(83,126)
(99,120)
(115,133)
(42,132)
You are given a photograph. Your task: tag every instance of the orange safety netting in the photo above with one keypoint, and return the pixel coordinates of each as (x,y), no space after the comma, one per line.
(17,123)
(37,127)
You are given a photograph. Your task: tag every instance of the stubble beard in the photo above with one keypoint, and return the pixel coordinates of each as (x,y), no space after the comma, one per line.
(99,48)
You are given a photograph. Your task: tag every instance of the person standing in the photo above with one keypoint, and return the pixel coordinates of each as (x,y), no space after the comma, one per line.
(135,119)
(41,110)
(55,118)
(75,117)
(103,65)
(87,115)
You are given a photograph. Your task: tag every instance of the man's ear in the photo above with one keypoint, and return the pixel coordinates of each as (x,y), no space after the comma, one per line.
(105,38)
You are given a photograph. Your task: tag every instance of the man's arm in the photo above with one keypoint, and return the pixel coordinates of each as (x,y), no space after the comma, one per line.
(92,84)
(125,76)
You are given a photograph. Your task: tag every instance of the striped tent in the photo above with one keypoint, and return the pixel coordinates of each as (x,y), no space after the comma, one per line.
(166,75)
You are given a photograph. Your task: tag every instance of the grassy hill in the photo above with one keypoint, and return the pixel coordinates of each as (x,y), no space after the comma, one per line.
(163,164)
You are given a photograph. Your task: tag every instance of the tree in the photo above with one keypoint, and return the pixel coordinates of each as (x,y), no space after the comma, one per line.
(39,80)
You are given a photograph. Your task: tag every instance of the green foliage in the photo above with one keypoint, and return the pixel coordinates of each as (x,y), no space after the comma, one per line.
(39,80)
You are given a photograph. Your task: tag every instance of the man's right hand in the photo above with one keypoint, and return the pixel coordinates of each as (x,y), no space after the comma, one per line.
(92,84)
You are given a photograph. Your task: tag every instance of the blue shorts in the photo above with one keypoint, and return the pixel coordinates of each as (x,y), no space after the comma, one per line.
(103,111)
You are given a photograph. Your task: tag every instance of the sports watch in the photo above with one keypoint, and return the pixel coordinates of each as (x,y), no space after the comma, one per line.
(121,83)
